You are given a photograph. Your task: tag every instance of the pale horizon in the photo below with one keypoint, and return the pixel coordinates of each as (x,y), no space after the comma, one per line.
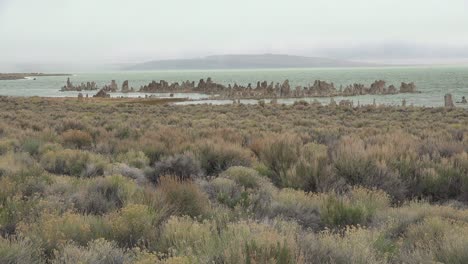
(93,35)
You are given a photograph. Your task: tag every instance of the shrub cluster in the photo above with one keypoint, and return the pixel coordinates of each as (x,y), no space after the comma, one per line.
(107,181)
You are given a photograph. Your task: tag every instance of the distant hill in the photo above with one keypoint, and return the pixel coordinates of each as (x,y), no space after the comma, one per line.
(245,62)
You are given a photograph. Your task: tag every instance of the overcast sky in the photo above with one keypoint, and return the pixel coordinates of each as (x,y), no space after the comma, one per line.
(120,31)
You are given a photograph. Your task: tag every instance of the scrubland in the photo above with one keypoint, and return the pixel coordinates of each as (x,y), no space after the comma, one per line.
(106,181)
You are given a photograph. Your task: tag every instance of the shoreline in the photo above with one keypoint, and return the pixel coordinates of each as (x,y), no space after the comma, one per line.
(22,76)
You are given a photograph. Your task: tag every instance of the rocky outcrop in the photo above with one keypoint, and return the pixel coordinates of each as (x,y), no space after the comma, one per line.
(285,89)
(125,88)
(346,103)
(112,88)
(113,85)
(203,86)
(320,88)
(89,86)
(378,87)
(407,87)
(262,89)
(102,94)
(448,101)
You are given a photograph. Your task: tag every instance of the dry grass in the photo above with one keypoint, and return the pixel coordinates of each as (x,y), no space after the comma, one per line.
(253,184)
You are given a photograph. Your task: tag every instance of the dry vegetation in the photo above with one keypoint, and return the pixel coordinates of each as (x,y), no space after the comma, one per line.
(105,181)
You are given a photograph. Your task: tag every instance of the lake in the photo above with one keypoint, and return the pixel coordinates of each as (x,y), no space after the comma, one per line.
(432,82)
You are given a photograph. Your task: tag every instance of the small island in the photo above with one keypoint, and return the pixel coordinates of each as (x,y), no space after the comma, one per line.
(22,76)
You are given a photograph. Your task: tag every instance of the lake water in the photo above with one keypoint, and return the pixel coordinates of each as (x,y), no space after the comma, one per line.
(432,82)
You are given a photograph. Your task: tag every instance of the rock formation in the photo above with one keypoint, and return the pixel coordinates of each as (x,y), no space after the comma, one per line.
(448,101)
(125,87)
(102,94)
(113,85)
(346,103)
(89,86)
(407,87)
(259,90)
(285,89)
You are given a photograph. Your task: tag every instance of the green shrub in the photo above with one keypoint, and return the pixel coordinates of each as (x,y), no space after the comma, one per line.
(97,251)
(7,145)
(134,225)
(245,177)
(102,195)
(356,208)
(77,139)
(184,198)
(353,245)
(73,162)
(279,155)
(14,210)
(53,231)
(19,250)
(435,240)
(310,172)
(215,157)
(252,242)
(298,206)
(183,236)
(32,146)
(183,167)
(133,158)
(240,186)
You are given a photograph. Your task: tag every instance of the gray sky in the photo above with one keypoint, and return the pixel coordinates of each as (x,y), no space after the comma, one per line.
(124,31)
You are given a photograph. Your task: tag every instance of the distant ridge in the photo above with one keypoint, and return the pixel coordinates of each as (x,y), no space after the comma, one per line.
(245,62)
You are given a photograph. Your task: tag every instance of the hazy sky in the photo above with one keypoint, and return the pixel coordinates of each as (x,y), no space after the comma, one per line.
(119,31)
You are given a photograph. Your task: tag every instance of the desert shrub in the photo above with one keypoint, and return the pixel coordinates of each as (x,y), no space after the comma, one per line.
(52,230)
(242,187)
(134,225)
(298,206)
(183,167)
(183,236)
(16,163)
(133,158)
(7,146)
(227,192)
(73,162)
(123,132)
(19,250)
(352,162)
(239,242)
(215,157)
(155,151)
(356,245)
(32,146)
(22,186)
(13,210)
(245,177)
(71,124)
(29,180)
(97,251)
(102,195)
(77,139)
(183,198)
(134,173)
(356,208)
(311,171)
(435,240)
(279,155)
(252,242)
